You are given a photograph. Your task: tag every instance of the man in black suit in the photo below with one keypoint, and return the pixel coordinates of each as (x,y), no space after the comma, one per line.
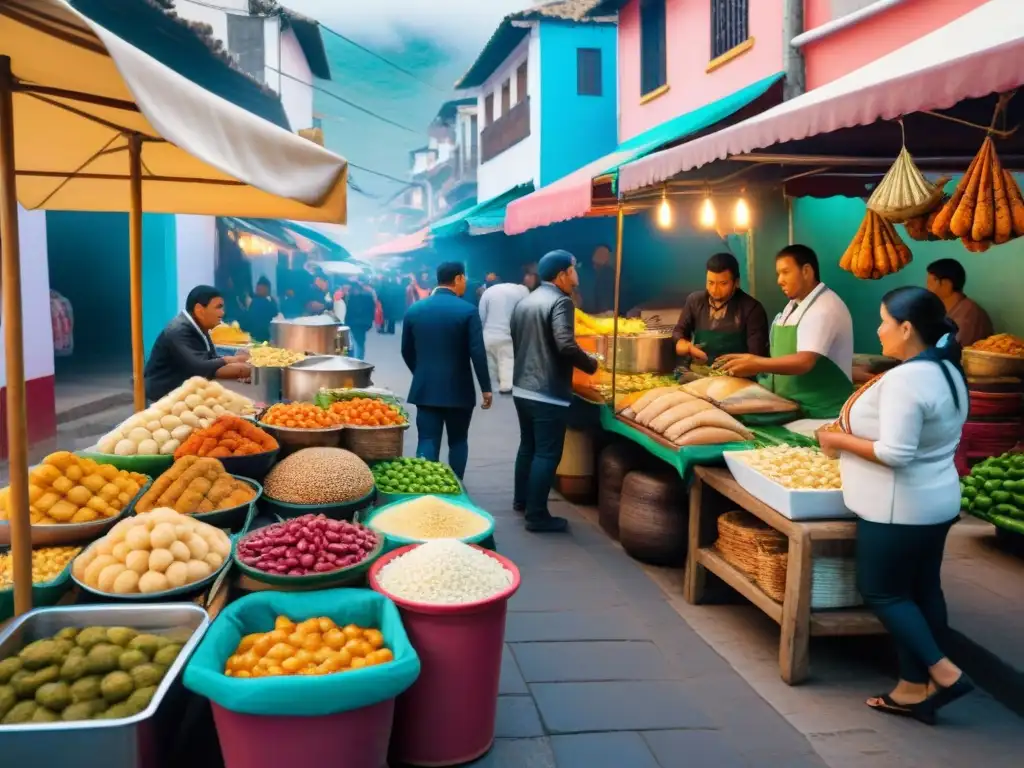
(442,344)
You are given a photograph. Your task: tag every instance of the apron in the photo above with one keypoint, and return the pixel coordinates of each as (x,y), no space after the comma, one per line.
(822,391)
(717,343)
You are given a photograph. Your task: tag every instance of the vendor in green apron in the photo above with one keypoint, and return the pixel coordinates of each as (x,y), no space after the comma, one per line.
(811,358)
(722,319)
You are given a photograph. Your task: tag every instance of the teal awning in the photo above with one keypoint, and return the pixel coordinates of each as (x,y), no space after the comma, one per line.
(482,218)
(571,196)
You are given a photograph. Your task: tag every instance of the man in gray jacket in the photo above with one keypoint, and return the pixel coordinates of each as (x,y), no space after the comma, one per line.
(546,352)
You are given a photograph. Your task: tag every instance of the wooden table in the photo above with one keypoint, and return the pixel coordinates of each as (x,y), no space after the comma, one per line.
(714,492)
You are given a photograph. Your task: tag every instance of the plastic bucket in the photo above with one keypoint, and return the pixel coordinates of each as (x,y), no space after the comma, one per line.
(447,716)
(356,739)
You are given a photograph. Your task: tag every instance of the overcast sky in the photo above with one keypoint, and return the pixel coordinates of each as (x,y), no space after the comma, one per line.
(460,24)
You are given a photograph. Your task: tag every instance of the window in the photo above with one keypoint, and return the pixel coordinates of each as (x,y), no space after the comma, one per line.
(521,82)
(245,41)
(588,71)
(473,139)
(489,109)
(728,25)
(506,97)
(652,46)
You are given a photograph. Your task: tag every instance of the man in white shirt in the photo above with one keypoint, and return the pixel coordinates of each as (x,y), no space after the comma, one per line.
(496,305)
(811,358)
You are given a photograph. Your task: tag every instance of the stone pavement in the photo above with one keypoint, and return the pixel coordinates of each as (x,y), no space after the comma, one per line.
(606,665)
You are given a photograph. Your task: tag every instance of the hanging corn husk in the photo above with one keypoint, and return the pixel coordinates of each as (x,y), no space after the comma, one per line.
(904,192)
(876,249)
(920,227)
(986,208)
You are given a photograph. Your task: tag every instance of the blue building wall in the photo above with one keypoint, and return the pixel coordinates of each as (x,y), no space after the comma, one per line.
(575,129)
(88,263)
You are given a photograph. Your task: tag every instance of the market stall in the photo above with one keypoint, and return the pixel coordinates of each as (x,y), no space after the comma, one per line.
(773,525)
(88,122)
(267,519)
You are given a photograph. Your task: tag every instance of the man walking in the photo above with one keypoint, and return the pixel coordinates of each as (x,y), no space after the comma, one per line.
(442,344)
(544,341)
(496,307)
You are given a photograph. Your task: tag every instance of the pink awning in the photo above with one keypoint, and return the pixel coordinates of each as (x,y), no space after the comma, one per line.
(403,244)
(568,198)
(978,54)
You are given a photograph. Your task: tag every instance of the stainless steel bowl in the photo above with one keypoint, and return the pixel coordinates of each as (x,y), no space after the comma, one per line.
(648,352)
(302,381)
(292,439)
(309,336)
(144,740)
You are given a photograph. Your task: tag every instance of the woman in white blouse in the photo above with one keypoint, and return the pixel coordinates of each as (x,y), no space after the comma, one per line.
(896,445)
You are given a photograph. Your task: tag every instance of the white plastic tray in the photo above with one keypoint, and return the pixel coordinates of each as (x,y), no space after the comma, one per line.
(788,502)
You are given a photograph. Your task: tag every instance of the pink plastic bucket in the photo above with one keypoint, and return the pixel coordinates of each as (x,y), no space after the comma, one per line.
(357,739)
(447,716)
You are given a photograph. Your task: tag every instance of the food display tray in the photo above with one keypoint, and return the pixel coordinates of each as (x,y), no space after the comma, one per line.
(795,504)
(43,593)
(140,741)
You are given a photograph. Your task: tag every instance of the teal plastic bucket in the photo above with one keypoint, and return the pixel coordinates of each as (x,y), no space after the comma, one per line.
(392,542)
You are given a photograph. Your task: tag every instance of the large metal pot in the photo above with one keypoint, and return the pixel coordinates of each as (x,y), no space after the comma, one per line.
(313,338)
(302,381)
(649,352)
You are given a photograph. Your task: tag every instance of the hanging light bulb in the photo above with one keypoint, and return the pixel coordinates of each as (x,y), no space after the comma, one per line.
(708,214)
(741,218)
(664,212)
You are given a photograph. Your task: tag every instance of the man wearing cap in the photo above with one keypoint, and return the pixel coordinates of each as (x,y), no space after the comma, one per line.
(546,352)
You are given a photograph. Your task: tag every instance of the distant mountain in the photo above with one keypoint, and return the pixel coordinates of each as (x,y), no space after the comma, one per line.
(374,85)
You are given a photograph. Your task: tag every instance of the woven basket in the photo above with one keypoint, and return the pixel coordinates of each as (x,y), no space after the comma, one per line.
(615,463)
(771,572)
(653,517)
(374,443)
(979,364)
(742,539)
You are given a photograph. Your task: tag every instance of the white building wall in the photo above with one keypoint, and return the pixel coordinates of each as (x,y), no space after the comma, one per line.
(296,91)
(521,163)
(196,245)
(37,328)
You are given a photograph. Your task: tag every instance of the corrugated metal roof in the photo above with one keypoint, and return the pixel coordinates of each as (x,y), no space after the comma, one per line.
(507,36)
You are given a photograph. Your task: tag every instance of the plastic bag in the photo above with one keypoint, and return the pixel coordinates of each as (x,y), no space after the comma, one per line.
(302,695)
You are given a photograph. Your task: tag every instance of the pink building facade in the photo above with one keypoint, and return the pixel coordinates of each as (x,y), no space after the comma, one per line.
(675,56)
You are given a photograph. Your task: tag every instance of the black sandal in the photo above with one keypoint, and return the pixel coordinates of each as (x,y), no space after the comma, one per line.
(890,706)
(945,696)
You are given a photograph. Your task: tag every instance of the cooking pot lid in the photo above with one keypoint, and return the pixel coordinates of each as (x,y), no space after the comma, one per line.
(331,363)
(314,320)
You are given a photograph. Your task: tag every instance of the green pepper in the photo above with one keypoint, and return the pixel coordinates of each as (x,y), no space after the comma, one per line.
(970,481)
(1007,509)
(984,503)
(993,485)
(969,492)
(1018,500)
(1001,497)
(1008,523)
(1016,473)
(965,504)
(1010,485)
(997,473)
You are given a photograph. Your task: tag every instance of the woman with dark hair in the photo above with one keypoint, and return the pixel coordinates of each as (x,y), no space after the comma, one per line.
(895,439)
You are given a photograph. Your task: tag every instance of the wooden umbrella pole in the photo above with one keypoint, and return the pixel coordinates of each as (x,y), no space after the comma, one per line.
(620,217)
(135,269)
(17,425)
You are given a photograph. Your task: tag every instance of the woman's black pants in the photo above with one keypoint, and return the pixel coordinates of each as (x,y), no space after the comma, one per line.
(898,575)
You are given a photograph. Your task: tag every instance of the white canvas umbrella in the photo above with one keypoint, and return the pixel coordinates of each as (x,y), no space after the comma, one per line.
(90,123)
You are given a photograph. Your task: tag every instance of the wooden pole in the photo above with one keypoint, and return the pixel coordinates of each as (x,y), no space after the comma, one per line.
(620,218)
(751,262)
(17,425)
(135,270)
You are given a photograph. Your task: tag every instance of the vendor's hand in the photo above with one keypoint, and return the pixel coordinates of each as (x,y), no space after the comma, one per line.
(828,440)
(488,400)
(742,365)
(698,354)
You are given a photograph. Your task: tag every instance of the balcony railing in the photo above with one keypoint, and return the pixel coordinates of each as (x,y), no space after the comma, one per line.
(505,132)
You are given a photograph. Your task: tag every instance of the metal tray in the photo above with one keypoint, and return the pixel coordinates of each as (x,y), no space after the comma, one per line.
(141,741)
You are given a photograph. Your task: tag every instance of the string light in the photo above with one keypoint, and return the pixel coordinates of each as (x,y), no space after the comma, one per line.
(254,245)
(741,218)
(708,215)
(664,212)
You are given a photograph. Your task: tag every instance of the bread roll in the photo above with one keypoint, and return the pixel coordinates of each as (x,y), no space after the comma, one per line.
(706,418)
(659,406)
(708,436)
(678,413)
